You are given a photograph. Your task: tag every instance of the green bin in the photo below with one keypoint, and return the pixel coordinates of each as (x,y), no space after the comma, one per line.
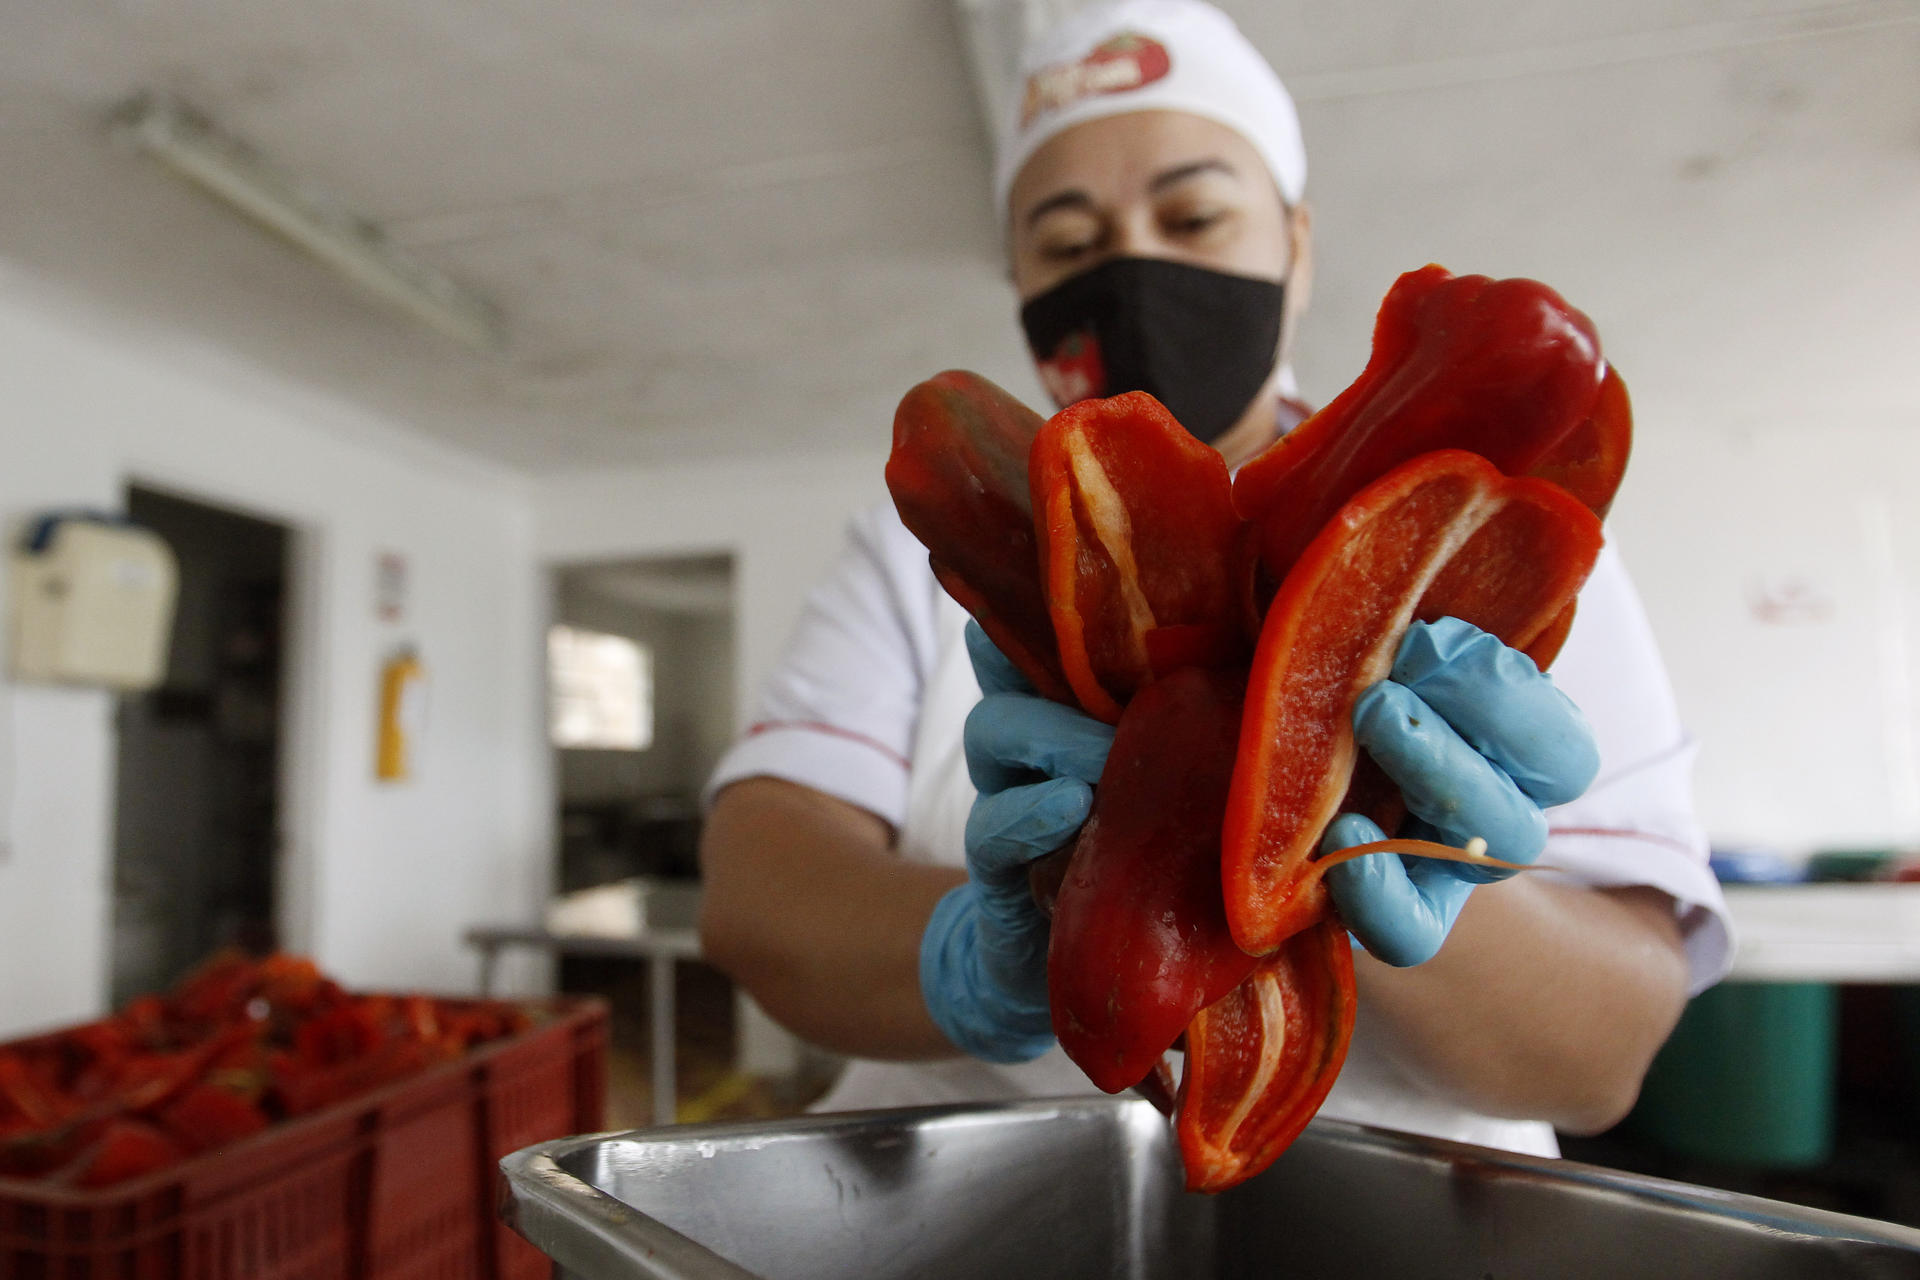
(1747,1077)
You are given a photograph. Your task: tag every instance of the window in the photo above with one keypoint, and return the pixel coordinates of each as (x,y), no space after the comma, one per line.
(600,690)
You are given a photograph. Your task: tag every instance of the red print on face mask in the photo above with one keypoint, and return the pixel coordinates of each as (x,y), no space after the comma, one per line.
(1075,371)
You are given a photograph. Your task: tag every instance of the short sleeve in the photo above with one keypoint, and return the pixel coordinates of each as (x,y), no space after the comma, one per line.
(838,713)
(1636,824)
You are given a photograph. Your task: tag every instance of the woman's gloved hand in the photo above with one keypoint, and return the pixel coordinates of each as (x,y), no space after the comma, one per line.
(983,957)
(1480,742)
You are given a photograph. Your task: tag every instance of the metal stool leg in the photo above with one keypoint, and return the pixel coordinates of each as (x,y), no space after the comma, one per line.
(660,971)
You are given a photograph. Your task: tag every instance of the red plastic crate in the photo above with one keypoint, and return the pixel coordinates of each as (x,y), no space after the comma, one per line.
(397,1184)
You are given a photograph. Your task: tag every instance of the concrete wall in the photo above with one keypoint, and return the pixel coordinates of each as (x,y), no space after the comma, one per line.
(378,880)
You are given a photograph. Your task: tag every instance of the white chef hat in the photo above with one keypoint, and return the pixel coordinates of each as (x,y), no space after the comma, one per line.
(1147,55)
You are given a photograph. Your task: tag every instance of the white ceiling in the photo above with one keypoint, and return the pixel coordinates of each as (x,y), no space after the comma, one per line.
(730,227)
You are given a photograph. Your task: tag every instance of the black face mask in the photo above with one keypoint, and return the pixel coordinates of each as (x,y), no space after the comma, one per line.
(1201,342)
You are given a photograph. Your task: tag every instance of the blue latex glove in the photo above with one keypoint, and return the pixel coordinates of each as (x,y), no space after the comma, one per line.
(983,957)
(1479,742)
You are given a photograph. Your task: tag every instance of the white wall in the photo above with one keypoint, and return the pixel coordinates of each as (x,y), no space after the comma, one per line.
(1781,567)
(379,879)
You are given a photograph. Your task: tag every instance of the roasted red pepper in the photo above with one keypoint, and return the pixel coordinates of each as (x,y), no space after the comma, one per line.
(210,1115)
(958,476)
(1443,535)
(125,1149)
(1262,1060)
(1140,941)
(1373,513)
(1502,368)
(27,1099)
(1137,541)
(238,1044)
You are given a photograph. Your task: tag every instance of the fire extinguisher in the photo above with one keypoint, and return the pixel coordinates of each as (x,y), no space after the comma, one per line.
(403,715)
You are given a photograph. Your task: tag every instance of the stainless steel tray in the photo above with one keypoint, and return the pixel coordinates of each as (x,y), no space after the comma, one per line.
(1092,1189)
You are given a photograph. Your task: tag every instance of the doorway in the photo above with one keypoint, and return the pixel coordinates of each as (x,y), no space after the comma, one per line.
(630,770)
(642,679)
(197,797)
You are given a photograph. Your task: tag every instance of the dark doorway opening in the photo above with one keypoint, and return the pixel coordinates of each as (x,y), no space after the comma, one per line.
(632,809)
(197,806)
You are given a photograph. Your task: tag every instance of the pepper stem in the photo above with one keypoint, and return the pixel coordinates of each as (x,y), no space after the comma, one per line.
(1475,852)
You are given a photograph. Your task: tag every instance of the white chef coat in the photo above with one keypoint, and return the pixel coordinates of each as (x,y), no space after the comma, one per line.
(870,697)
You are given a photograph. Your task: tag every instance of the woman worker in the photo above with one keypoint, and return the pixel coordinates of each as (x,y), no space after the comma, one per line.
(866,845)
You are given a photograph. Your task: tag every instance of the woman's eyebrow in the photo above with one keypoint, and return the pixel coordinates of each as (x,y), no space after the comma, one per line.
(1075,198)
(1071,199)
(1181,173)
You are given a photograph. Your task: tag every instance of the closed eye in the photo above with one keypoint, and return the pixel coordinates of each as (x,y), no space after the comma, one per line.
(1067,252)
(1069,234)
(1194,222)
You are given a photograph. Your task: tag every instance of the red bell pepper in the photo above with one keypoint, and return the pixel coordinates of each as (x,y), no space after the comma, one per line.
(125,1149)
(209,1115)
(1444,535)
(1261,1060)
(1137,548)
(237,1045)
(26,1100)
(1140,942)
(1503,368)
(1589,460)
(958,476)
(213,992)
(340,1034)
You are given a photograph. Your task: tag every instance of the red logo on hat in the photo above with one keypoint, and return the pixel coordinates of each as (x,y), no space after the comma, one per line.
(1128,61)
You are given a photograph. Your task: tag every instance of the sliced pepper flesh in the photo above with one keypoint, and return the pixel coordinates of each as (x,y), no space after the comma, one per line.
(1503,368)
(1140,942)
(1261,1060)
(1547,645)
(1445,533)
(1137,539)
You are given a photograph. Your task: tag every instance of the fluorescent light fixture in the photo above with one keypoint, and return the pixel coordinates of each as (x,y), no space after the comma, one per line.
(193,147)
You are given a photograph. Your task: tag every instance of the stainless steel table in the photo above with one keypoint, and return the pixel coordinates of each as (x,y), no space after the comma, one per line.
(660,948)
